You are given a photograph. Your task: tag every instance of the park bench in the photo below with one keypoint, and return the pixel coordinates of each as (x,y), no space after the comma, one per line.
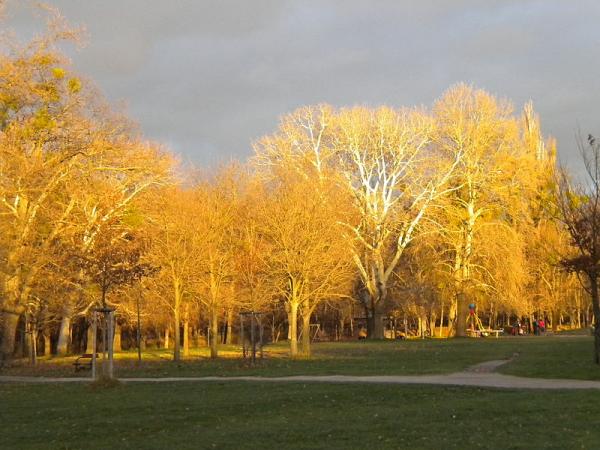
(84,362)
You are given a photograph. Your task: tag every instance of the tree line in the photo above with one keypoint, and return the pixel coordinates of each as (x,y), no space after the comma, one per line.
(342,216)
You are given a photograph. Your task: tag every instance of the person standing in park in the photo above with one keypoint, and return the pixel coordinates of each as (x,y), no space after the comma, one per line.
(541,325)
(516,331)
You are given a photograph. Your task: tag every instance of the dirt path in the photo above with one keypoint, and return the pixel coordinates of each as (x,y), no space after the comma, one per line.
(481,375)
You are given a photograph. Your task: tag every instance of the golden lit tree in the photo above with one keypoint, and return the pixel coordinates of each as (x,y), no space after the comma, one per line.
(390,168)
(382,158)
(308,258)
(173,224)
(218,203)
(58,144)
(494,179)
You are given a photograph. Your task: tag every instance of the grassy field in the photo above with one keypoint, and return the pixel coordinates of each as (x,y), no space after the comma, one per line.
(294,416)
(555,357)
(546,356)
(317,416)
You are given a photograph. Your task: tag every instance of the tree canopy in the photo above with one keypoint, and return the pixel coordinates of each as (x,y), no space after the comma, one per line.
(345,215)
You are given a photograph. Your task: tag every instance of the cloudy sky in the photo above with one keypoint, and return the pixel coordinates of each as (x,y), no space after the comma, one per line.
(207,77)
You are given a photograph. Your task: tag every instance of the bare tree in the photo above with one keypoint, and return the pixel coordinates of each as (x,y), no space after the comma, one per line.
(394,177)
(579,206)
(479,220)
(60,147)
(217,202)
(382,159)
(308,258)
(173,228)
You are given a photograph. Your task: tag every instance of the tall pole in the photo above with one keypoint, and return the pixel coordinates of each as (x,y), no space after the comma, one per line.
(94,349)
(242,335)
(139,329)
(252,337)
(104,342)
(33,344)
(111,336)
(32,325)
(260,331)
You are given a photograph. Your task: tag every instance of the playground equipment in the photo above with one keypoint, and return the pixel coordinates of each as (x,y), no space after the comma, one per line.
(315,332)
(475,327)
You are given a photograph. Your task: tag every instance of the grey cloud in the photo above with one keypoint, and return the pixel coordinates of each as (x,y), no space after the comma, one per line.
(208,77)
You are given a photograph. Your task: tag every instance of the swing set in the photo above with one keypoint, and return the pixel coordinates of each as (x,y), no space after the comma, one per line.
(475,327)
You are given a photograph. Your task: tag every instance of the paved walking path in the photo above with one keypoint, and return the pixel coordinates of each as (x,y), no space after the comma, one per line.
(481,375)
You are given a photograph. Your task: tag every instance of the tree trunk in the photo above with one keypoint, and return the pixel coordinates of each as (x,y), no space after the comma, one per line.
(596,309)
(273,334)
(47,343)
(462,311)
(306,334)
(431,324)
(378,329)
(34,338)
(578,309)
(452,319)
(117,338)
(26,340)
(441,319)
(90,339)
(176,336)
(9,333)
(214,331)
(556,320)
(64,334)
(229,335)
(178,293)
(462,268)
(293,329)
(166,341)
(375,329)
(374,309)
(186,336)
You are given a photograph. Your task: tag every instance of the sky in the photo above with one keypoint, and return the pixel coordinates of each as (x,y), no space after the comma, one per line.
(209,77)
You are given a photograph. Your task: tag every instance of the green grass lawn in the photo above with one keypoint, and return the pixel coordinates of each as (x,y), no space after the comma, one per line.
(555,357)
(294,416)
(546,356)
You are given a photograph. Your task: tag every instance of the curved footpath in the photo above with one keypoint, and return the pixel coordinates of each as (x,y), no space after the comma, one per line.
(481,375)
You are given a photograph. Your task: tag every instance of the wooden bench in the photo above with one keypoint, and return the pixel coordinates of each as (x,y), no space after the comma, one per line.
(84,362)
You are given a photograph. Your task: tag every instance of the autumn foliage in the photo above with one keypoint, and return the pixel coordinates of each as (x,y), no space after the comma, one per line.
(344,217)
